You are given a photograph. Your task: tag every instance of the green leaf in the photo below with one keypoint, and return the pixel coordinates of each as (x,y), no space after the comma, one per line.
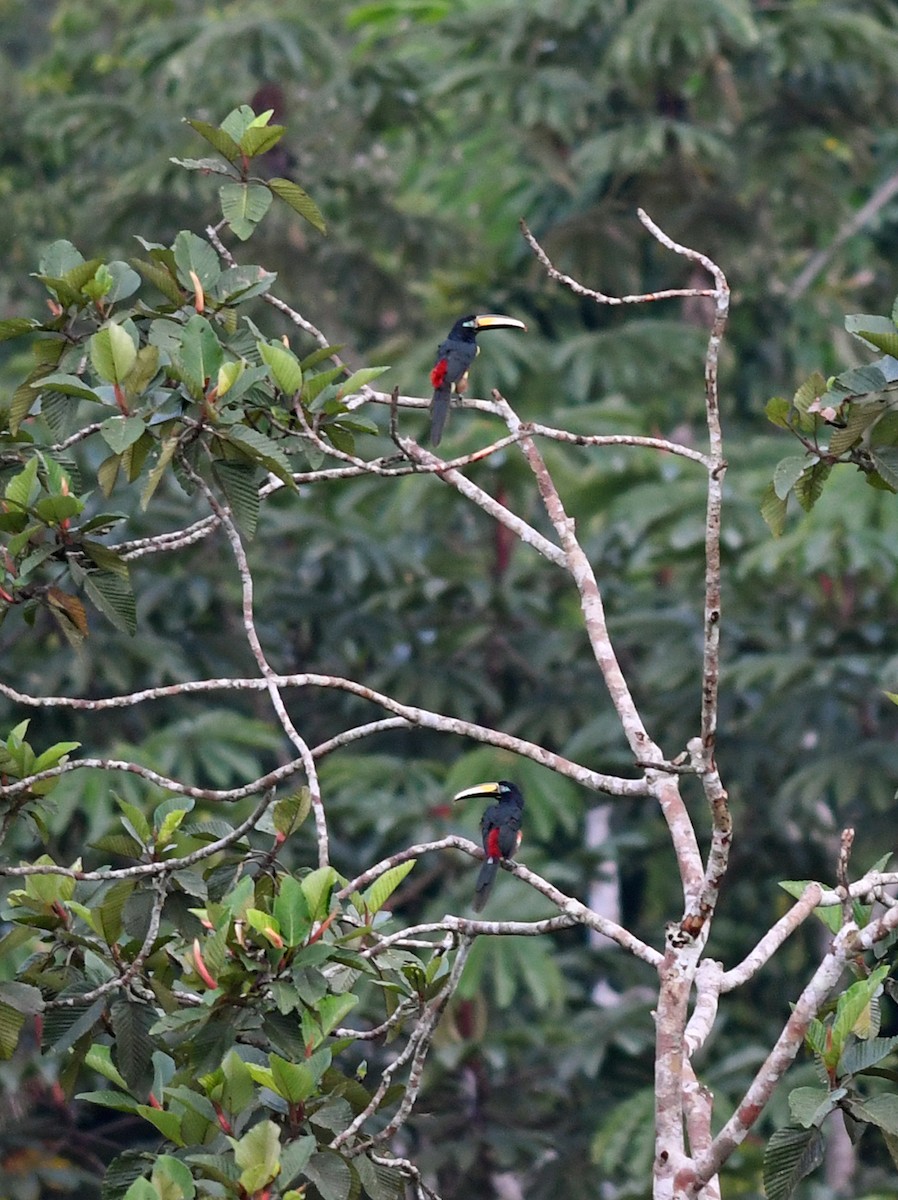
(261,450)
(68,385)
(172,1179)
(22,490)
(773,510)
(260,138)
(285,369)
(317,887)
(99,1059)
(330,1174)
(328,1013)
(859,418)
(809,1105)
(168,1123)
(243,205)
(228,374)
(193,253)
(380,1181)
(118,1101)
(121,432)
(358,379)
(143,372)
(131,1022)
(239,284)
(135,821)
(809,486)
(294,1157)
(113,596)
(851,1008)
(290,811)
(236,1091)
(216,137)
(112,353)
(812,389)
(238,482)
(11,1024)
(858,1056)
(291,912)
(316,384)
(161,279)
(294,1081)
(881,1111)
(14,327)
(242,118)
(22,997)
(105,557)
(885,459)
(59,258)
(199,355)
(786,473)
(257,1155)
(166,453)
(791,1155)
(879,333)
(300,201)
(55,509)
(383,887)
(777,411)
(125,281)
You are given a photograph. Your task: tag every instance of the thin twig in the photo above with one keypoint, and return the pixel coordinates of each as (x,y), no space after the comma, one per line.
(123,980)
(268,674)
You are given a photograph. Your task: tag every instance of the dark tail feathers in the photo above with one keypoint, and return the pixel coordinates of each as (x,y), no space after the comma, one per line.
(485,880)
(439,409)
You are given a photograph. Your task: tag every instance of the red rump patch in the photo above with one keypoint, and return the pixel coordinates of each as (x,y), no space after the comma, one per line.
(492,844)
(438,374)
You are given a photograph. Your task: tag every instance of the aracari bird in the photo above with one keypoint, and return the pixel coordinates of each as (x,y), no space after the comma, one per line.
(500,828)
(454,357)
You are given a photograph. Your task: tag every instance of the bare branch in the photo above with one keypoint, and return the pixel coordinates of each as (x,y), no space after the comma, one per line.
(167,542)
(616,439)
(415,1051)
(407,1168)
(212,795)
(123,980)
(773,939)
(270,676)
(415,717)
(519,527)
(168,867)
(589,293)
(846,944)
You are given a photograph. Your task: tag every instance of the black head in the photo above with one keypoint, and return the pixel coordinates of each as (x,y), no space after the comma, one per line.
(466,328)
(503,791)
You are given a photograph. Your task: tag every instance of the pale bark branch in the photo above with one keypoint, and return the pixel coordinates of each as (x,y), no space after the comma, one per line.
(268,674)
(415,717)
(166,867)
(117,982)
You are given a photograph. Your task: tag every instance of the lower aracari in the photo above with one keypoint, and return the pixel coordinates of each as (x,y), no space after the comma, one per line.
(500,828)
(454,357)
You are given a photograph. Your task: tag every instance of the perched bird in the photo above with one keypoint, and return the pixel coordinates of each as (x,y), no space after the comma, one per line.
(454,357)
(500,828)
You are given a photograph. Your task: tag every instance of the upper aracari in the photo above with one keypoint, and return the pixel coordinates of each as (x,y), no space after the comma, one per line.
(500,828)
(454,357)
